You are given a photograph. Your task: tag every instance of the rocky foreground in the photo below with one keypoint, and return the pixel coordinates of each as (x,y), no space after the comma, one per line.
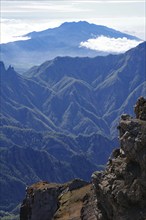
(118,193)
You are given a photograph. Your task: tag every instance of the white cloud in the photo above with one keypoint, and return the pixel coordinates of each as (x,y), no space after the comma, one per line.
(110,1)
(111,45)
(36,6)
(19,17)
(134,25)
(13,29)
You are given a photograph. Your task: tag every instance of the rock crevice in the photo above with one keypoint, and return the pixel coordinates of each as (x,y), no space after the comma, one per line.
(121,189)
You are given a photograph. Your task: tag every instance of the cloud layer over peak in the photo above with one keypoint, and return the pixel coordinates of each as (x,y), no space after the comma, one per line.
(110,45)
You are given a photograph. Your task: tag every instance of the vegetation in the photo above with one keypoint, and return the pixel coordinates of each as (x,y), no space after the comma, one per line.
(59,123)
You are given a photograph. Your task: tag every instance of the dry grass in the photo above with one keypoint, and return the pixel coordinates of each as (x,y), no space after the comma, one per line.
(44,185)
(71,203)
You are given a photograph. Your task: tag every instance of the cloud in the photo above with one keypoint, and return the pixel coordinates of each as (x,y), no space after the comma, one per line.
(111,45)
(14,29)
(110,1)
(19,18)
(40,6)
(116,1)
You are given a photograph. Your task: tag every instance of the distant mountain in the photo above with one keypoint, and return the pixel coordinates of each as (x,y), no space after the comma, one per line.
(61,41)
(32,149)
(95,90)
(28,156)
(73,95)
(58,120)
(118,192)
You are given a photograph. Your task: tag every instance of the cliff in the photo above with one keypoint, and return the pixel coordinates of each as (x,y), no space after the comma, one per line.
(72,200)
(121,189)
(117,193)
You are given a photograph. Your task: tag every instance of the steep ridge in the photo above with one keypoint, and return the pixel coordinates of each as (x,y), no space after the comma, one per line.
(33,105)
(55,201)
(119,192)
(71,84)
(28,156)
(61,41)
(99,88)
(121,189)
(20,104)
(59,109)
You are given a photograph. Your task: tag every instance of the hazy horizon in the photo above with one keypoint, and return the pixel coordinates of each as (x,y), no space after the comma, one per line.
(21,17)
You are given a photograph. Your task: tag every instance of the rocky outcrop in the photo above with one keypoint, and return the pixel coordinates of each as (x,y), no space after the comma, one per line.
(117,193)
(140,108)
(41,201)
(121,189)
(46,201)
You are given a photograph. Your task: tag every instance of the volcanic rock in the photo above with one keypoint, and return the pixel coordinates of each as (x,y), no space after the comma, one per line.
(117,193)
(121,189)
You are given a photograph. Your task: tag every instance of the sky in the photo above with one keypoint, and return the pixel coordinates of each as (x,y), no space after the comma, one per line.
(20,17)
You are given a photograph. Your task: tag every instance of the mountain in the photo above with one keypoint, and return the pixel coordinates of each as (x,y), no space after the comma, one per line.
(28,156)
(95,90)
(74,95)
(58,121)
(64,201)
(61,41)
(118,192)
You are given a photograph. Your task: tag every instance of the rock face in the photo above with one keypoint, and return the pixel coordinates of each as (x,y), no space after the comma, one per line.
(121,188)
(117,193)
(46,201)
(140,108)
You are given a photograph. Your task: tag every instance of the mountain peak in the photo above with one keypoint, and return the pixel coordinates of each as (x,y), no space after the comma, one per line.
(10,69)
(2,67)
(74,23)
(64,40)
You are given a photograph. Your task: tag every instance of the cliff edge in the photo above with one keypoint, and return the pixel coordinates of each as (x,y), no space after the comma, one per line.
(117,193)
(121,189)
(46,201)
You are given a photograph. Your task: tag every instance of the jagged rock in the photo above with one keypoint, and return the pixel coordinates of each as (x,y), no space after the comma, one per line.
(140,108)
(121,189)
(41,201)
(58,201)
(117,193)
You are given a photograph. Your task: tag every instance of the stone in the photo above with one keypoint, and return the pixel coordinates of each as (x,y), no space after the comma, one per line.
(117,193)
(47,201)
(122,186)
(140,108)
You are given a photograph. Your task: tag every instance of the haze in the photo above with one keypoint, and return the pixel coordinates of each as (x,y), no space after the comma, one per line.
(20,17)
